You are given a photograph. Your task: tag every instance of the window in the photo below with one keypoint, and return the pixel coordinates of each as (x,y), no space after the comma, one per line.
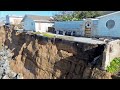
(74,33)
(88,24)
(32,23)
(110,24)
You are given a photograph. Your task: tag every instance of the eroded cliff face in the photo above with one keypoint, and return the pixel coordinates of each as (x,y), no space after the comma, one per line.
(2,36)
(38,57)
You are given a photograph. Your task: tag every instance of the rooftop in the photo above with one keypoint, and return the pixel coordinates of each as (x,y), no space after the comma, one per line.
(15,16)
(112,13)
(39,18)
(35,17)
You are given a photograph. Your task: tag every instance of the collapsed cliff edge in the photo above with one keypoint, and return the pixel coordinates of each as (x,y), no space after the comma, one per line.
(39,57)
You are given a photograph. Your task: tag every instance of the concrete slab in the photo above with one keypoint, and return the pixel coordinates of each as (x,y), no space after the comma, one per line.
(79,39)
(83,39)
(88,40)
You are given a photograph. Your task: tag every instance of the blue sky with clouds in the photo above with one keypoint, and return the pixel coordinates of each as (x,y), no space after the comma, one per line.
(22,13)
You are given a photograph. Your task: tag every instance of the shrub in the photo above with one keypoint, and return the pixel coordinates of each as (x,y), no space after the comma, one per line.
(114,66)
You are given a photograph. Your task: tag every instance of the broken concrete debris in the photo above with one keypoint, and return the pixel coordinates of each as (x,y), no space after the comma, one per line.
(5,71)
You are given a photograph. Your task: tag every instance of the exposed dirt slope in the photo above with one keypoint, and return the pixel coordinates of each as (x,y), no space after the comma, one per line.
(44,58)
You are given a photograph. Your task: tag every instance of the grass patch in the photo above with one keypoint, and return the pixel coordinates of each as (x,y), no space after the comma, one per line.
(48,35)
(114,66)
(36,32)
(45,34)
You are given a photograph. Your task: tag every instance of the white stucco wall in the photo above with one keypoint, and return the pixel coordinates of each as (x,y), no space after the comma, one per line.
(42,27)
(29,24)
(93,26)
(10,20)
(104,31)
(38,27)
(111,51)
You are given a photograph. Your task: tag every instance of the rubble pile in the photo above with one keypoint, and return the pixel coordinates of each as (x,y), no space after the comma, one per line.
(5,71)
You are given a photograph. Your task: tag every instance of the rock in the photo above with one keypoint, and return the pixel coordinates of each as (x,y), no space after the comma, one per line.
(5,77)
(1,53)
(58,73)
(12,74)
(1,72)
(2,63)
(72,68)
(6,47)
(87,73)
(99,74)
(77,69)
(19,76)
(5,71)
(5,57)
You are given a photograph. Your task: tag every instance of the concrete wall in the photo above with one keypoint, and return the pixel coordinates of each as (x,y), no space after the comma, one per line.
(29,24)
(42,27)
(37,27)
(104,31)
(93,26)
(112,50)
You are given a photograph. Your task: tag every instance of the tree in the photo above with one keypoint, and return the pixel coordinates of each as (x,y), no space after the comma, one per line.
(76,15)
(63,16)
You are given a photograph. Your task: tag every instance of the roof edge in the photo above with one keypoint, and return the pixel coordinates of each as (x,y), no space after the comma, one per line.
(107,14)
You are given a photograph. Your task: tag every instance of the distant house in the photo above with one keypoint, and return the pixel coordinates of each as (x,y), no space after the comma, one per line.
(107,25)
(13,19)
(37,23)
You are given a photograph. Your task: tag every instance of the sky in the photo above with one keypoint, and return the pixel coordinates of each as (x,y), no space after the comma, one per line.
(22,13)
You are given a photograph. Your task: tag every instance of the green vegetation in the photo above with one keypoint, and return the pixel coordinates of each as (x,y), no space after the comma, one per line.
(36,32)
(76,15)
(45,34)
(114,66)
(48,35)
